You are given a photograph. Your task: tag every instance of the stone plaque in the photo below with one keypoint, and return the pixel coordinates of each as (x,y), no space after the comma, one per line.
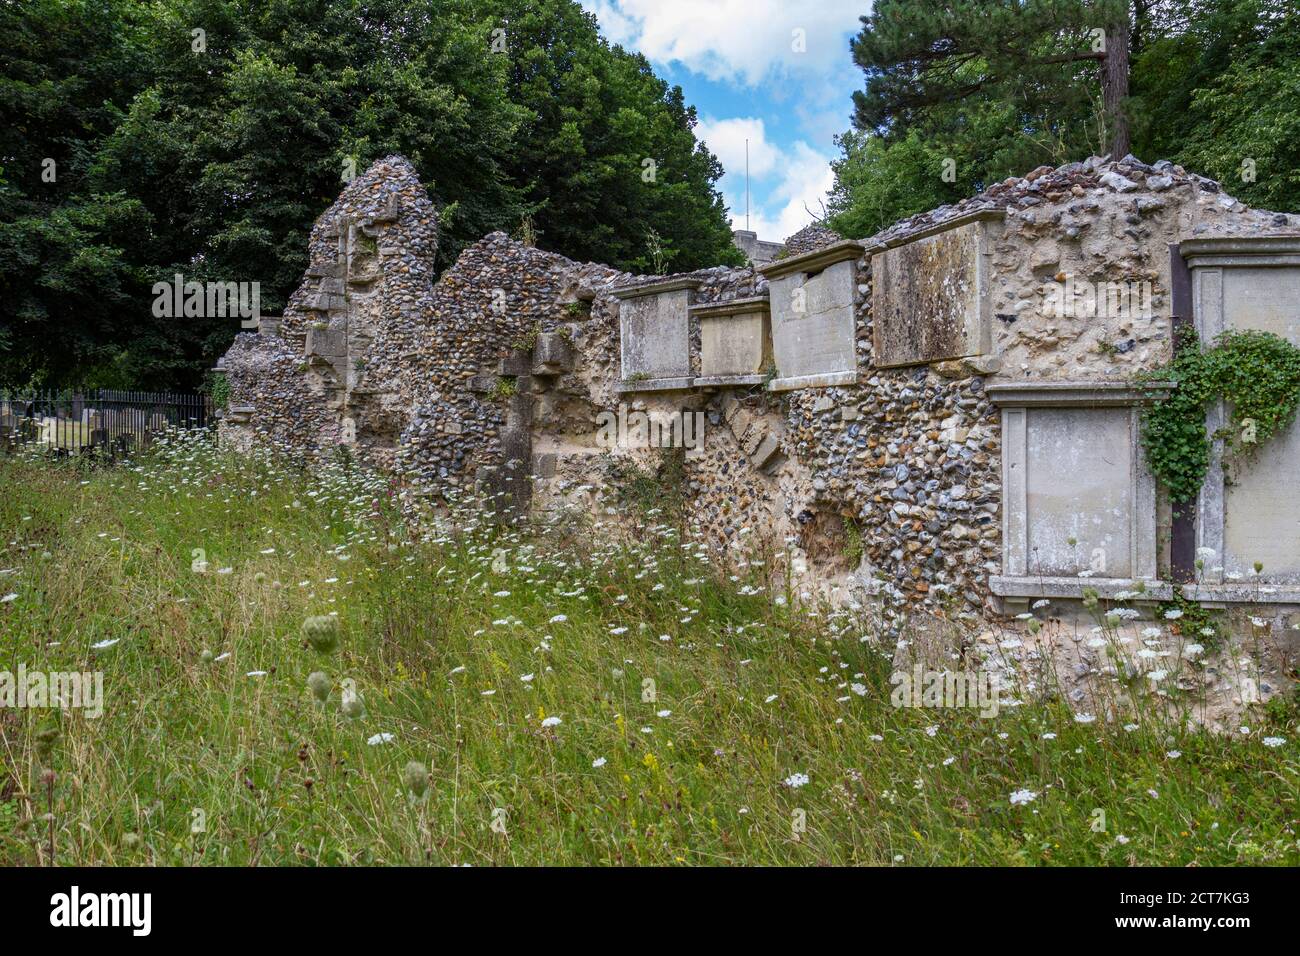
(813,300)
(1253,515)
(735,341)
(1078,488)
(1078,500)
(655,334)
(930,296)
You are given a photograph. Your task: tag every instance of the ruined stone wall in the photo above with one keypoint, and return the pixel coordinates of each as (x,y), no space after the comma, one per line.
(334,370)
(871,408)
(886,477)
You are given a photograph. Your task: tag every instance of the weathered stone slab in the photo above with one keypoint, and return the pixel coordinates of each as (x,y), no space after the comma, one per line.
(1237,284)
(518,362)
(735,341)
(1079,508)
(329,344)
(1078,498)
(930,295)
(813,323)
(654,330)
(552,354)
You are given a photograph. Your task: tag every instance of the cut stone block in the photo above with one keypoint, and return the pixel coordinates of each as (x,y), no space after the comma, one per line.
(552,354)
(930,295)
(813,324)
(329,344)
(654,334)
(518,362)
(766,451)
(735,341)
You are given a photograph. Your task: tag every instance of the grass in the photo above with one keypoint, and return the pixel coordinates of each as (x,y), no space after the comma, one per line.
(699,696)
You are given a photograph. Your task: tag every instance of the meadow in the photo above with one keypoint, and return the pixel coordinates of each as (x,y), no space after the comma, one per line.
(297,673)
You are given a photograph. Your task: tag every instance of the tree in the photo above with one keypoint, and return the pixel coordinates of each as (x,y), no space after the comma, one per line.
(1034,54)
(606,154)
(205,136)
(1243,126)
(1212,84)
(66,277)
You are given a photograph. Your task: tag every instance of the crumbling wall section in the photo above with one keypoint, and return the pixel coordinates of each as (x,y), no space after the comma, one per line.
(330,372)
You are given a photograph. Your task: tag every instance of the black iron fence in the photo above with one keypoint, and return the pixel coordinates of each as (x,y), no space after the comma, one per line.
(115,421)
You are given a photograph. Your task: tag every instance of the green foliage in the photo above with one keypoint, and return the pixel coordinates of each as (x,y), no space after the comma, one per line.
(1000,88)
(878,182)
(219,388)
(853,546)
(215,163)
(1195,622)
(1256,374)
(463,644)
(503,388)
(657,487)
(594,114)
(1243,127)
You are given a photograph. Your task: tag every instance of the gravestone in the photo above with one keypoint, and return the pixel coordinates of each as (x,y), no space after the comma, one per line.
(813,299)
(735,341)
(1079,502)
(1249,515)
(655,335)
(930,294)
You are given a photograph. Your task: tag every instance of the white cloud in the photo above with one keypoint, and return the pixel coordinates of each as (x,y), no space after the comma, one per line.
(738,40)
(806,178)
(726,140)
(782,181)
(752,43)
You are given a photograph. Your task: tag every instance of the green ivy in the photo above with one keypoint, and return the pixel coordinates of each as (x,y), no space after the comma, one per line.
(1257,374)
(220,391)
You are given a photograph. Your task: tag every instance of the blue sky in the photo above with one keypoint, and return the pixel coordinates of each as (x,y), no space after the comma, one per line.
(777,72)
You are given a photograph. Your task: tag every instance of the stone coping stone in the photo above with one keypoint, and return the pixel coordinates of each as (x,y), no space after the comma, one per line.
(656,384)
(814,261)
(1086,394)
(824,380)
(655,288)
(1036,586)
(934,228)
(732,307)
(1241,250)
(1152,591)
(713,381)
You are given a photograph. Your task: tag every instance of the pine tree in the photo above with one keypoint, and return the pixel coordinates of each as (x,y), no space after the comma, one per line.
(1036,54)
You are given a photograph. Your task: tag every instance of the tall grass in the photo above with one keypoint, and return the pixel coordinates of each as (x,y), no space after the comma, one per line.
(691,705)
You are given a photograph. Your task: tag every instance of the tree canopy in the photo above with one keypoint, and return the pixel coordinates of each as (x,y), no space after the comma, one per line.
(961,94)
(205,136)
